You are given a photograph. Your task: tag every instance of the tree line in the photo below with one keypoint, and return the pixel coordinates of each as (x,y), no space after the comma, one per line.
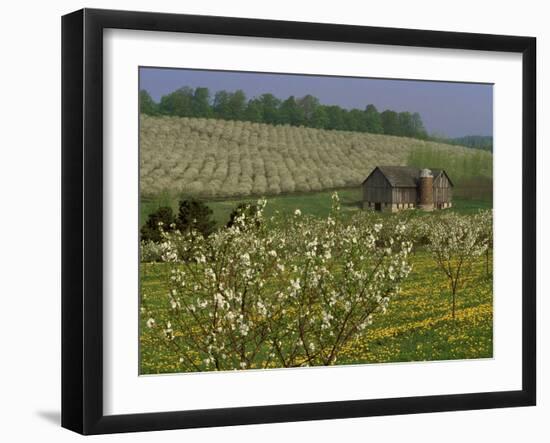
(193,214)
(304,111)
(483,142)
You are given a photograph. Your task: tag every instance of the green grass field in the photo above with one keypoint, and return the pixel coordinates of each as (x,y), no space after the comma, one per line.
(312,203)
(418,325)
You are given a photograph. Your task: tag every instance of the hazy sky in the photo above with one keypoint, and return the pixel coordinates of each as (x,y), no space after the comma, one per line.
(452,109)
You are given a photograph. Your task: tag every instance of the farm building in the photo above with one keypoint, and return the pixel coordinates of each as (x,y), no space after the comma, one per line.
(392,188)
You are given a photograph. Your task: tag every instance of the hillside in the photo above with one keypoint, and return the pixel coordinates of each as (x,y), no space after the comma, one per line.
(220,158)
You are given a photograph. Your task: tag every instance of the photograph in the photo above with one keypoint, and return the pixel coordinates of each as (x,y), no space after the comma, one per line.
(266,222)
(293,220)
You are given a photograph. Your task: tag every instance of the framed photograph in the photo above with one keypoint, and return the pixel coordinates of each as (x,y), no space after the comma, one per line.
(269,221)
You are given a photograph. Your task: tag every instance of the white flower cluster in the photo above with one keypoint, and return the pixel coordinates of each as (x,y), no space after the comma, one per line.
(455,241)
(150,251)
(293,294)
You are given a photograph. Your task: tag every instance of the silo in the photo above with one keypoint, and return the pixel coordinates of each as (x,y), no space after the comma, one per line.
(426,190)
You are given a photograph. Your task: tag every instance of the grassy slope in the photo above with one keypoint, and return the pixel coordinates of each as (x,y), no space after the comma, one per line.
(229,159)
(417,327)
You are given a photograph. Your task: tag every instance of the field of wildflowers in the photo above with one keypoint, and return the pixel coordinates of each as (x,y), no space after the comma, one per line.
(296,290)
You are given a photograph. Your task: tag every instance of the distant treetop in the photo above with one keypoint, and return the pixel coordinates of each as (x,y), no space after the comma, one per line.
(304,111)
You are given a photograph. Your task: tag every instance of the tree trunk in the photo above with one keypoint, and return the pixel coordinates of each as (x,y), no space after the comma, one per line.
(453,292)
(454,305)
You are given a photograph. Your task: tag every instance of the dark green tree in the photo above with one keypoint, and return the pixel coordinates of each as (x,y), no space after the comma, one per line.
(419,131)
(178,103)
(253,111)
(373,122)
(336,117)
(308,105)
(236,105)
(193,214)
(270,108)
(221,104)
(355,120)
(290,113)
(201,103)
(390,122)
(230,105)
(146,103)
(150,231)
(405,124)
(320,118)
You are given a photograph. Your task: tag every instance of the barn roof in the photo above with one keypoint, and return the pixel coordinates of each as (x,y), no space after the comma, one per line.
(404,176)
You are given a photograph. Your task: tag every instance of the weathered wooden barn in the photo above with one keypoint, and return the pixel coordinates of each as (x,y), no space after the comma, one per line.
(393,188)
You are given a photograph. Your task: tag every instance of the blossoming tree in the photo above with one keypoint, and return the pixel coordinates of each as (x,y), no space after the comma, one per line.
(286,293)
(484,219)
(455,242)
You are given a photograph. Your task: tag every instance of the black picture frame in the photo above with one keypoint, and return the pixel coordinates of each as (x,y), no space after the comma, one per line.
(82,218)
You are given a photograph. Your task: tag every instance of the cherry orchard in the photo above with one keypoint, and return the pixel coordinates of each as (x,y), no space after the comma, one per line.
(286,292)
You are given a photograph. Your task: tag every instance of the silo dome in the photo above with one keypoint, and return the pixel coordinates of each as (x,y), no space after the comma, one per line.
(426,173)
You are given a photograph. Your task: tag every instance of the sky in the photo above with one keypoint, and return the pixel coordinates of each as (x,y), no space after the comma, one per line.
(447,108)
